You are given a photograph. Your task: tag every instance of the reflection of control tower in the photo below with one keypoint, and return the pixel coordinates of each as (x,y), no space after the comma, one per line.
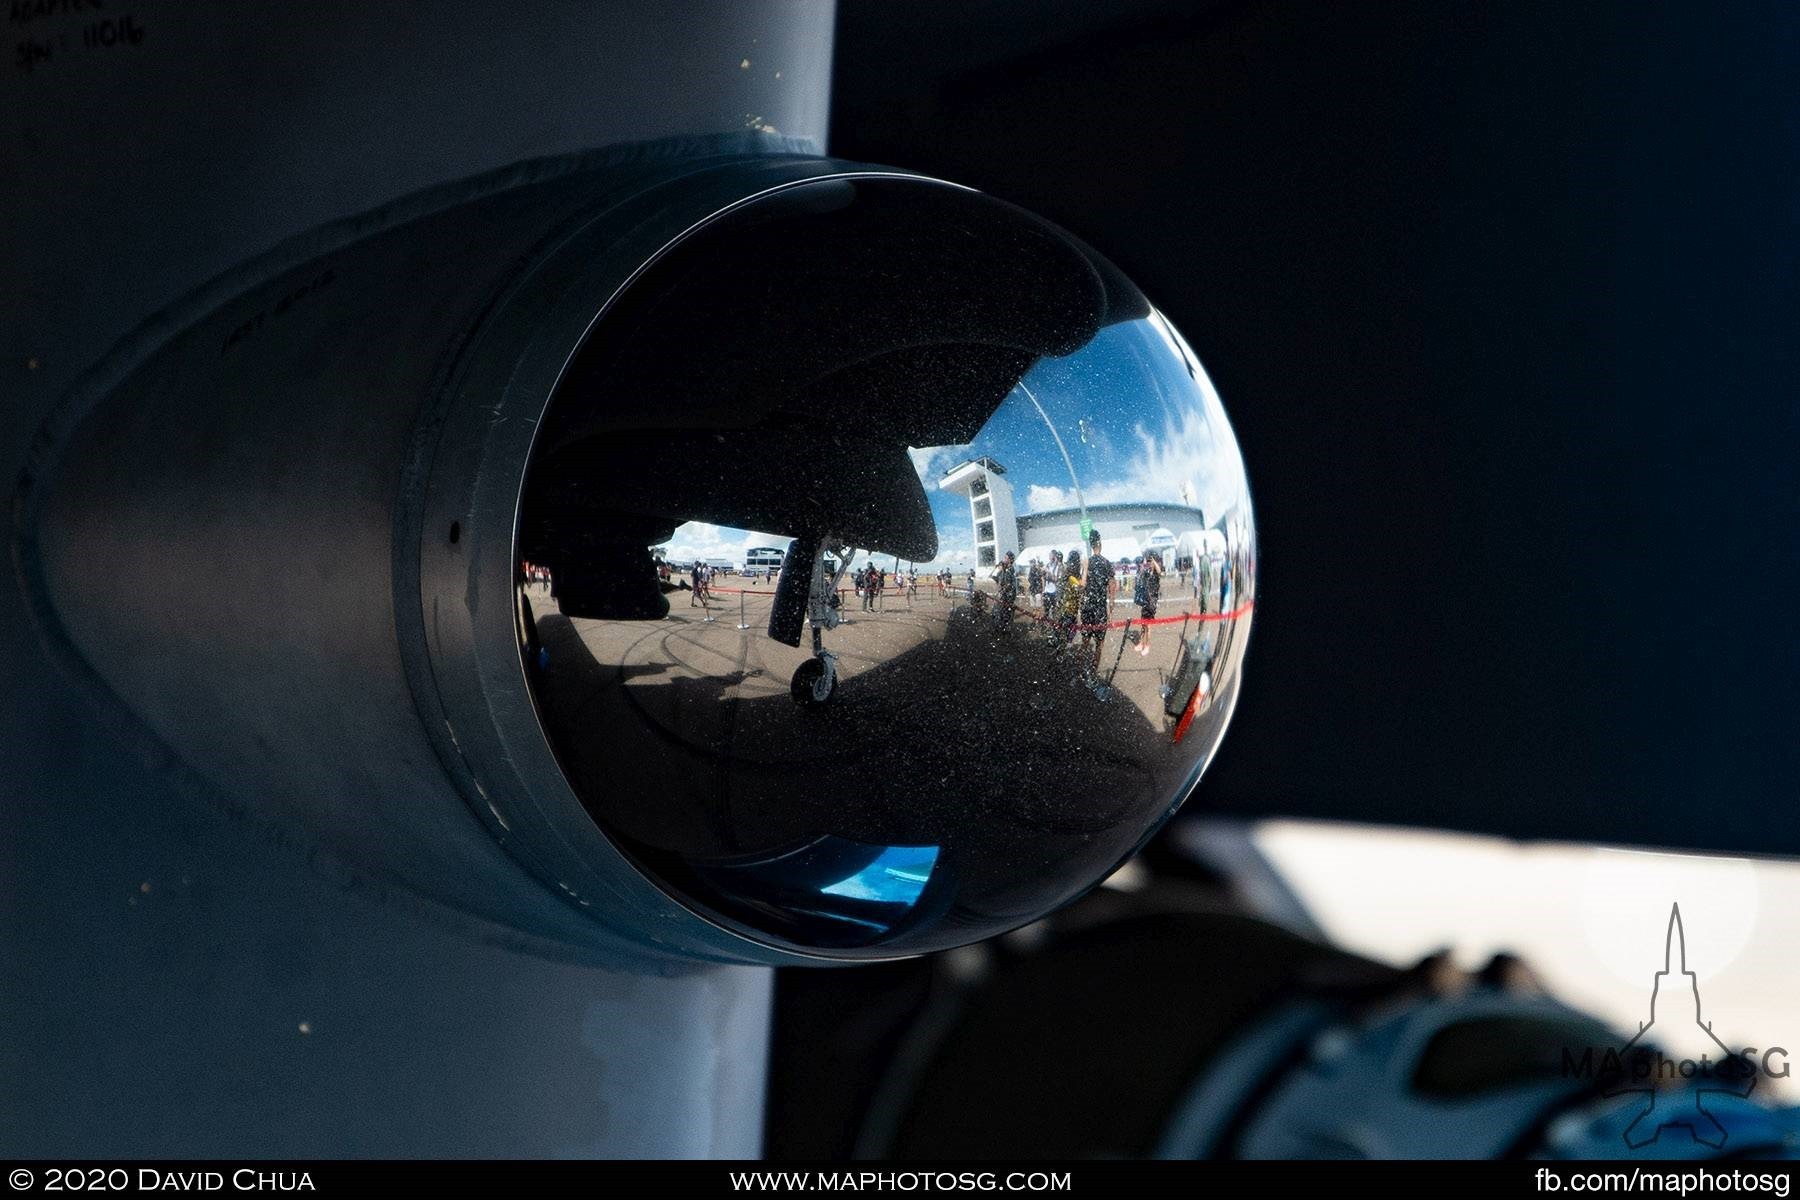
(991,512)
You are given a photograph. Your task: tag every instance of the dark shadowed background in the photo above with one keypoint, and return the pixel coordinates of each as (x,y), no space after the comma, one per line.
(1502,302)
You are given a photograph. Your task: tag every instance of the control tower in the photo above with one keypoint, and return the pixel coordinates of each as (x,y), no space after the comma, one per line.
(991,512)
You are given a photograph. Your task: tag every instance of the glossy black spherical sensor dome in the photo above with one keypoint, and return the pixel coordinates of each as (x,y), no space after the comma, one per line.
(886,568)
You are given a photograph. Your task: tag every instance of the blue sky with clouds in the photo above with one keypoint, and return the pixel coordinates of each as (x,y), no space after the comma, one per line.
(1136,413)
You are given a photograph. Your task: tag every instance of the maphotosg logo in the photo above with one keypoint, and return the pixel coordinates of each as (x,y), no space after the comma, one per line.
(1675,1091)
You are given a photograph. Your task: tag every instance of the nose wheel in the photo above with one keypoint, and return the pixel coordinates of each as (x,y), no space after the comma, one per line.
(815,682)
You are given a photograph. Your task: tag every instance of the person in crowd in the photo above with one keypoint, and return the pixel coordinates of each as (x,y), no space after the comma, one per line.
(1149,591)
(535,655)
(1098,586)
(1006,576)
(1053,575)
(694,585)
(1068,604)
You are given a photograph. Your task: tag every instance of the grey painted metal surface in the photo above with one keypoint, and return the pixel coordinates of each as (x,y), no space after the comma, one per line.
(184,971)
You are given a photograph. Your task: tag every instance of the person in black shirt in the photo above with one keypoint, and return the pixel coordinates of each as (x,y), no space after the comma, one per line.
(1007,576)
(1150,583)
(1097,587)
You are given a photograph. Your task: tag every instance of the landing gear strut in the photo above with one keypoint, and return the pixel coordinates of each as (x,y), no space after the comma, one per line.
(815,682)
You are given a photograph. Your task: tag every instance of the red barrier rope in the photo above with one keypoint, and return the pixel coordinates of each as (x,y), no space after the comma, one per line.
(897,591)
(1139,622)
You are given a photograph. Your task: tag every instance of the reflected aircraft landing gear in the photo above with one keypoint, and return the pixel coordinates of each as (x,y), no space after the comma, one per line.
(815,681)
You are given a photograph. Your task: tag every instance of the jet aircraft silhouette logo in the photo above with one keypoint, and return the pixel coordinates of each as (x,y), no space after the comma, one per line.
(1674,1002)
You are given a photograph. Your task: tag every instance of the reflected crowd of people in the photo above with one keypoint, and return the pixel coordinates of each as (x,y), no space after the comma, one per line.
(1071,599)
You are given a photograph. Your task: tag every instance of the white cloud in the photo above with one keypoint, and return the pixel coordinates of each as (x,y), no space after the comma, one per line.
(697,539)
(1189,456)
(956,544)
(931,462)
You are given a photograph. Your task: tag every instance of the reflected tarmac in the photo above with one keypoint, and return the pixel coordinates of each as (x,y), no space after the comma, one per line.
(927,685)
